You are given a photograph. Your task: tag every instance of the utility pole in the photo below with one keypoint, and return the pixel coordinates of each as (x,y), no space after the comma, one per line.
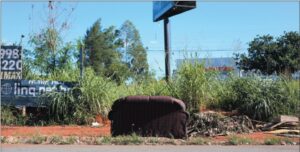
(167,48)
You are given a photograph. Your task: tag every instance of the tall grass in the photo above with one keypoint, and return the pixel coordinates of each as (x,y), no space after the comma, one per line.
(95,95)
(195,86)
(92,96)
(258,98)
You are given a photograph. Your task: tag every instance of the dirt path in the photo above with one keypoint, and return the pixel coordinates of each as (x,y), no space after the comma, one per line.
(56,130)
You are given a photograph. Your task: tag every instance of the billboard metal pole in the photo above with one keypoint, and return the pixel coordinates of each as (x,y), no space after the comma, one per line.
(167,47)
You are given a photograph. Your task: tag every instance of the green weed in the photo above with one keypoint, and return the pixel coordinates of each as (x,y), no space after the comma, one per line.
(235,140)
(272,141)
(37,139)
(127,140)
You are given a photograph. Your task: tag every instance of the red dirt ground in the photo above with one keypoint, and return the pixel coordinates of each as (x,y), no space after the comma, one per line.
(56,130)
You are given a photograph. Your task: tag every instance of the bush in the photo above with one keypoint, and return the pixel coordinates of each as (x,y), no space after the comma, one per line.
(7,117)
(260,99)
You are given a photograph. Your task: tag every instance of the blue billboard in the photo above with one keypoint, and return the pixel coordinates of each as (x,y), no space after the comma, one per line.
(165,9)
(28,92)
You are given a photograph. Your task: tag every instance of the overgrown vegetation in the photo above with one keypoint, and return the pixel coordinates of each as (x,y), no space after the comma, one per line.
(115,62)
(261,99)
(194,85)
(258,98)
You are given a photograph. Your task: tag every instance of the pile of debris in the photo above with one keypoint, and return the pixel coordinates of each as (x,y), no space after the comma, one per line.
(215,124)
(282,122)
(283,125)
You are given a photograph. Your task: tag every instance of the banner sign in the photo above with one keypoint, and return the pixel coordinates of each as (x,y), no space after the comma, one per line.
(11,62)
(27,92)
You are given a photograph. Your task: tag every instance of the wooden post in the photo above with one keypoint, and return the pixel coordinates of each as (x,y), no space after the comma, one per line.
(24,111)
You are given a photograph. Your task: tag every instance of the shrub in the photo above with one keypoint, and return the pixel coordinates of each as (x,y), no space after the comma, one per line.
(260,99)
(7,117)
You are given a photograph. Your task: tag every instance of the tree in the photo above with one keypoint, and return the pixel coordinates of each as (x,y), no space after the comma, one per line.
(288,55)
(134,52)
(270,56)
(101,52)
(49,52)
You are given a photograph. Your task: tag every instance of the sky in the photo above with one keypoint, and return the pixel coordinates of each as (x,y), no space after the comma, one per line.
(213,29)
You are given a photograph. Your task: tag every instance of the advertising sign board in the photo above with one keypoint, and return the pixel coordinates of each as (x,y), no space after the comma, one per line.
(165,9)
(28,92)
(11,62)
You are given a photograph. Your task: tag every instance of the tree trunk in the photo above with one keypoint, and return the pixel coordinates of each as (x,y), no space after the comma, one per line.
(287,73)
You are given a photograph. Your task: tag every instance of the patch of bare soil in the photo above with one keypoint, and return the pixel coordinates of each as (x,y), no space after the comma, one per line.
(80,131)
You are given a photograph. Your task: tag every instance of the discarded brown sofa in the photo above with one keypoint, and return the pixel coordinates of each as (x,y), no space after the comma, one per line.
(161,116)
